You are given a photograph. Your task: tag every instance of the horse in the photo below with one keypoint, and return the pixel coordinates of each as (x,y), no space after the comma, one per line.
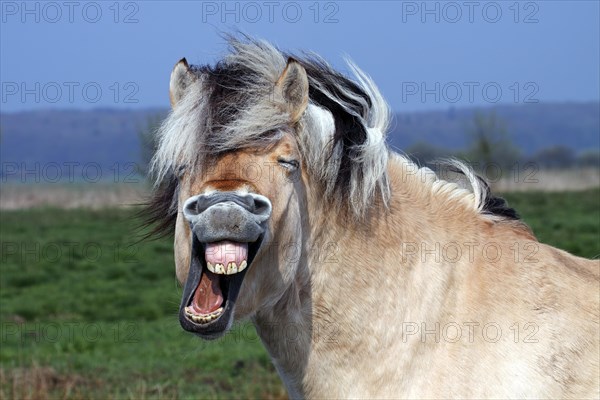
(364,274)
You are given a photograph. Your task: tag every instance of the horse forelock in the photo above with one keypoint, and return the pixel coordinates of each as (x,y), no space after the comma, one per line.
(341,136)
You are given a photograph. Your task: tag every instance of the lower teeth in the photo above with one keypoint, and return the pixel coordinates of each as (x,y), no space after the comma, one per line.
(203,318)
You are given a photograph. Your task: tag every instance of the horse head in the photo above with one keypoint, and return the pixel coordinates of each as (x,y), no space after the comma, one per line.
(240,204)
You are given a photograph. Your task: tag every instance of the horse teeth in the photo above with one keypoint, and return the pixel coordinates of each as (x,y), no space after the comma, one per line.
(197,318)
(232,268)
(203,319)
(219,268)
(229,269)
(211,267)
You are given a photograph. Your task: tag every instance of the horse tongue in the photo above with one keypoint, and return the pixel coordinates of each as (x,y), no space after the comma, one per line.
(208,296)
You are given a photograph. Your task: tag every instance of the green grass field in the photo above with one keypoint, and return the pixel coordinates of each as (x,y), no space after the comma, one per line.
(88,312)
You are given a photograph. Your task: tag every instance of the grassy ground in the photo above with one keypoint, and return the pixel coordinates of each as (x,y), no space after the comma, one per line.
(87,312)
(570,220)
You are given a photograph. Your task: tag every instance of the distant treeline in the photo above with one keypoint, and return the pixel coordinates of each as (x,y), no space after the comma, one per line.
(490,142)
(115,145)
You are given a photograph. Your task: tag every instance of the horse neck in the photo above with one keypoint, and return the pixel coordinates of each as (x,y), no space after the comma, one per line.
(285,330)
(349,270)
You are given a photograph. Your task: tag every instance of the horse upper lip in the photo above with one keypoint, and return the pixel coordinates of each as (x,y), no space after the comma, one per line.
(254,204)
(227,221)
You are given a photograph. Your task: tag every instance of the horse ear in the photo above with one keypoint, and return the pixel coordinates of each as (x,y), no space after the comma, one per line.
(292,89)
(181,78)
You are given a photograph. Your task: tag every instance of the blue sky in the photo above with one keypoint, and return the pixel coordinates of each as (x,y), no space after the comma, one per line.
(423,55)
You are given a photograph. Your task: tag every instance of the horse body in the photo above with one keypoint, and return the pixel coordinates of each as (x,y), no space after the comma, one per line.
(366,276)
(356,329)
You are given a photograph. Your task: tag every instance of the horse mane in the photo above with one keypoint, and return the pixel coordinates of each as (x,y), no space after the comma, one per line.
(342,133)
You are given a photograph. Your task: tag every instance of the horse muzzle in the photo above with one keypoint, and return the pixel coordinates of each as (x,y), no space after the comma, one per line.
(228,229)
(227,216)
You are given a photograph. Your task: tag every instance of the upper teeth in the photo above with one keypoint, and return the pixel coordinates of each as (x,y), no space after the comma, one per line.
(229,269)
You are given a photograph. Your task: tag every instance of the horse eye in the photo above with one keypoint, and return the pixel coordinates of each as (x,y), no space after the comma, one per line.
(180,171)
(289,164)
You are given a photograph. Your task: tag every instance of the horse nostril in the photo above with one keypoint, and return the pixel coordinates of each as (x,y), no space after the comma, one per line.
(262,206)
(190,209)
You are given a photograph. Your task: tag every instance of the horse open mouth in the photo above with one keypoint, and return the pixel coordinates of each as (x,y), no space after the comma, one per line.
(216,275)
